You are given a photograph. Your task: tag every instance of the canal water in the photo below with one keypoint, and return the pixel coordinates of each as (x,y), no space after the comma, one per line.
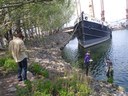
(116,49)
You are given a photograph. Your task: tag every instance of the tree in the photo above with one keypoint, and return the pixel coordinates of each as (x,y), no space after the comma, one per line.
(28,14)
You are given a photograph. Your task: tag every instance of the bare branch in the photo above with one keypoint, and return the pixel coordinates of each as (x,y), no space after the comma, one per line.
(18,4)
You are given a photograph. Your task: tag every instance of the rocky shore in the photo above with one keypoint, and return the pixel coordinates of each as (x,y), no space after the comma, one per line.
(48,54)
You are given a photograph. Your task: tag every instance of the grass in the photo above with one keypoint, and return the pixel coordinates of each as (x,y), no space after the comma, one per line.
(76,85)
(37,69)
(7,64)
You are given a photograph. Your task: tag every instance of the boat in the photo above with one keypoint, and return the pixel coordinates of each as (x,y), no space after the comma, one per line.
(91,31)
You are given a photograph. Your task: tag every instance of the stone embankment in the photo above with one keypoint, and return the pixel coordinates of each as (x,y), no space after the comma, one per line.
(49,55)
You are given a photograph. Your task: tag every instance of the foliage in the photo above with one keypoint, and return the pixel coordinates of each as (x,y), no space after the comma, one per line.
(37,93)
(35,88)
(110,79)
(2,61)
(5,56)
(71,86)
(46,14)
(22,92)
(10,65)
(28,85)
(43,86)
(75,85)
(37,69)
(26,91)
(80,63)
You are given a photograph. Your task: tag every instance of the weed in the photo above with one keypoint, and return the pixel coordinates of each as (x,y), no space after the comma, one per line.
(37,69)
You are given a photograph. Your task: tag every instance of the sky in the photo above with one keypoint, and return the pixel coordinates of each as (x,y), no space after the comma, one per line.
(114,9)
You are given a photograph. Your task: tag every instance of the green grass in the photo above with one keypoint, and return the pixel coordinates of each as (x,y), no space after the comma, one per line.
(8,64)
(2,61)
(37,69)
(75,85)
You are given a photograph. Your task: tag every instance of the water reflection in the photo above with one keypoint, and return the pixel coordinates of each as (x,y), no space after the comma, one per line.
(70,52)
(115,49)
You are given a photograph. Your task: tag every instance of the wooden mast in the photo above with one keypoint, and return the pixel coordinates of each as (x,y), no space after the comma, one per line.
(91,8)
(78,7)
(102,10)
(127,9)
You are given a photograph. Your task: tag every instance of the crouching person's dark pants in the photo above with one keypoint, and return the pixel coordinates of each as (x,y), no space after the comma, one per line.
(109,72)
(87,67)
(22,70)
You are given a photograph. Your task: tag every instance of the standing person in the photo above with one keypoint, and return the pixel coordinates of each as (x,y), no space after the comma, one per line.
(18,51)
(87,60)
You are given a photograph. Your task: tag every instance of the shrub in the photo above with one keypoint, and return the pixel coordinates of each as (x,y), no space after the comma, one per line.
(22,91)
(26,90)
(110,80)
(37,69)
(71,87)
(75,85)
(59,87)
(2,61)
(10,65)
(37,93)
(42,86)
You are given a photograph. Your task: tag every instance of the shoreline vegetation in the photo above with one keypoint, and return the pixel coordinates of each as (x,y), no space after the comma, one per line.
(50,75)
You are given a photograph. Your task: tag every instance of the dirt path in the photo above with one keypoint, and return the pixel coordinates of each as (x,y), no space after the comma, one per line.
(8,85)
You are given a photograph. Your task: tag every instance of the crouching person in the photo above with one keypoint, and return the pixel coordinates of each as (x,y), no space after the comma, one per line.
(87,61)
(109,68)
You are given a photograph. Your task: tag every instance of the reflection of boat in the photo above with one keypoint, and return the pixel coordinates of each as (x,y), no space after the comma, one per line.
(91,31)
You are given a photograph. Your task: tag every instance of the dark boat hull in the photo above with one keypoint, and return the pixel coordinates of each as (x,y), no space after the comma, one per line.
(91,33)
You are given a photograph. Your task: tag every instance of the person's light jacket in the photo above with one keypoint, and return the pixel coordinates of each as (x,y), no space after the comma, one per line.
(17,49)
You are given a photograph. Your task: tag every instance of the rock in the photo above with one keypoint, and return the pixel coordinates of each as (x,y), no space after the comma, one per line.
(12,89)
(120,89)
(0,82)
(30,76)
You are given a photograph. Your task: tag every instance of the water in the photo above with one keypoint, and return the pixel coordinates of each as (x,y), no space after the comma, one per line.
(116,49)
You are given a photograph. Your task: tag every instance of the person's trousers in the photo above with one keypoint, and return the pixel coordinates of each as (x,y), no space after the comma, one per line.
(109,72)
(87,68)
(22,70)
